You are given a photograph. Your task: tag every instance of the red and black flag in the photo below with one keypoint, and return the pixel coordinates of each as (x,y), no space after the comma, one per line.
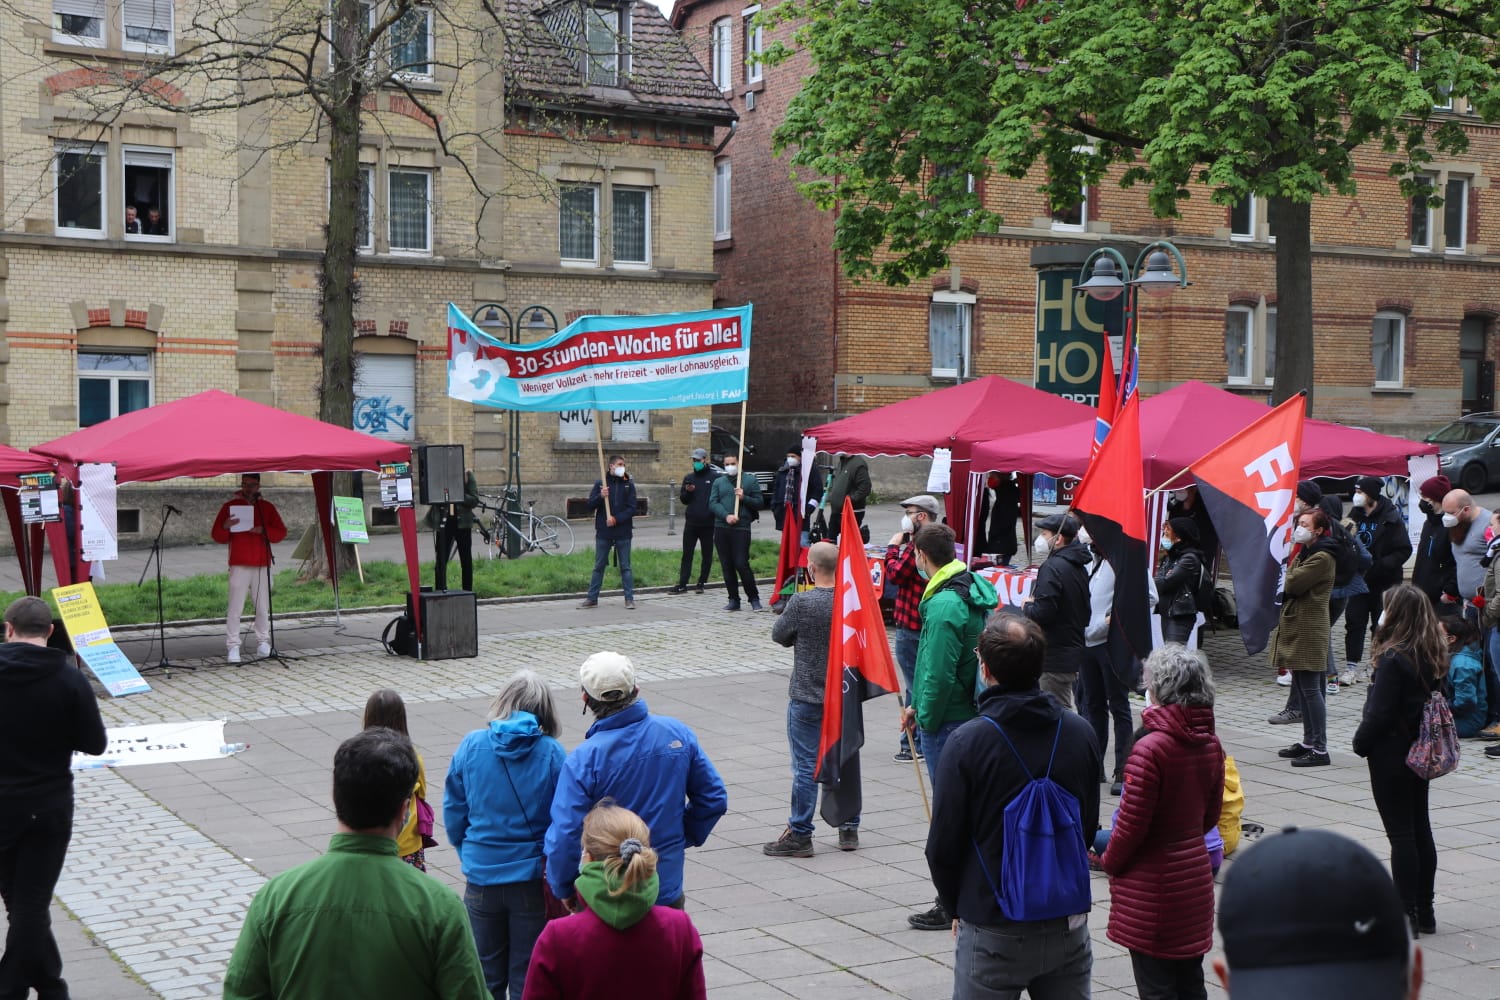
(790,557)
(1111,500)
(1108,404)
(859,668)
(1248,484)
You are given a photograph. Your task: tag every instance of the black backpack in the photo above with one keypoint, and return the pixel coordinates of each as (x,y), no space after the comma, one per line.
(1346,557)
(404,642)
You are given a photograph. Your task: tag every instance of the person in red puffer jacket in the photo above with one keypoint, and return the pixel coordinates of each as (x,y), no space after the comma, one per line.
(1161,884)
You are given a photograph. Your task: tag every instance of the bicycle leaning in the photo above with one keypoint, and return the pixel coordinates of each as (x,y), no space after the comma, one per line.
(547,533)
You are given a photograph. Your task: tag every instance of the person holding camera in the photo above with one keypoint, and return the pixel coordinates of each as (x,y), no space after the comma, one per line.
(901,570)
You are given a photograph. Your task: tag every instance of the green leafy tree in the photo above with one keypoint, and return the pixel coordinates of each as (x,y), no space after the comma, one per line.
(1249,97)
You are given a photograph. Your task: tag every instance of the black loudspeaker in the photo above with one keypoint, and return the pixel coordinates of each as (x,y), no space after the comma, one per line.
(440,470)
(450,624)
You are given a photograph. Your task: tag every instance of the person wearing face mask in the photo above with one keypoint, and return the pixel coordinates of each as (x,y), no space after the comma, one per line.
(1489,620)
(732,531)
(1300,643)
(1433,573)
(1186,502)
(613,530)
(999,510)
(851,479)
(1179,576)
(901,572)
(1059,603)
(786,488)
(697,522)
(1380,529)
(1467,523)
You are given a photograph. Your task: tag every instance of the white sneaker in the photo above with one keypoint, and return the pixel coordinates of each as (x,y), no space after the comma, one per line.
(1285,680)
(263,649)
(1333,687)
(233,656)
(1349,677)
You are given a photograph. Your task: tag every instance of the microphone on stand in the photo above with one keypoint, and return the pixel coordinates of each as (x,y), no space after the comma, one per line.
(173,509)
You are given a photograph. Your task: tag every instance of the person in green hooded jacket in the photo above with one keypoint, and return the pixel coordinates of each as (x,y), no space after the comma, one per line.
(953,610)
(619,943)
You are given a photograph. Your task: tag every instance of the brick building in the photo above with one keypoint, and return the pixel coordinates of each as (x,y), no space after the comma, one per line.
(154,253)
(1404,317)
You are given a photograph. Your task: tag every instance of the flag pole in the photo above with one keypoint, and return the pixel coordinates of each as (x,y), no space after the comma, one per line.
(603,472)
(916,763)
(740,482)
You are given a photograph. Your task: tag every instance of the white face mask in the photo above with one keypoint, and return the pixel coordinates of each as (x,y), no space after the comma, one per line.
(1180,494)
(730,470)
(1042,546)
(1450,520)
(618,472)
(906,524)
(1360,499)
(1302,535)
(793,461)
(1380,622)
(1084,536)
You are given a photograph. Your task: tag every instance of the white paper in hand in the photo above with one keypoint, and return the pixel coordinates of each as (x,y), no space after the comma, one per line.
(241,517)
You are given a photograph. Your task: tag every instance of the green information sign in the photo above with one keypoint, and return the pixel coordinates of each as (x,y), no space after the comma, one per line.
(1070,332)
(349,515)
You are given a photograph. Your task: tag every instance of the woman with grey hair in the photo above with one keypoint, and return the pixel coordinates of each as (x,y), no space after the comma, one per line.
(495,803)
(1160,879)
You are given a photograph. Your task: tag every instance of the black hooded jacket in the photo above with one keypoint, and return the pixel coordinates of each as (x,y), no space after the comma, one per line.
(1384,534)
(977,778)
(1060,605)
(47,711)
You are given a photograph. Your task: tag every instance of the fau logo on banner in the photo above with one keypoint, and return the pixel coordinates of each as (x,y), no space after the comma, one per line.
(1275,475)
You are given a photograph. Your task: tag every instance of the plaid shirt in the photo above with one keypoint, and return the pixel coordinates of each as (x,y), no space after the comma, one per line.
(901,569)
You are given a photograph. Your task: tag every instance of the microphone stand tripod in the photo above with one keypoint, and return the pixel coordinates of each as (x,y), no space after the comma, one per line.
(274,654)
(164,664)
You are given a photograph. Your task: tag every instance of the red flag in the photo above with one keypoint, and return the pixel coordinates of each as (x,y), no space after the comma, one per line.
(791,554)
(1107,406)
(1111,501)
(1248,484)
(859,668)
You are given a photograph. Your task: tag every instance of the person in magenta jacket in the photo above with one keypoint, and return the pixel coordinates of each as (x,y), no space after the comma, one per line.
(619,943)
(1161,883)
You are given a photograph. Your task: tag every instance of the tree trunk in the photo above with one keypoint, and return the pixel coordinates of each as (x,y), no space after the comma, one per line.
(1294,301)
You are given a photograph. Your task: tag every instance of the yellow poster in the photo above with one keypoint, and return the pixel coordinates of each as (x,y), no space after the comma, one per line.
(81,614)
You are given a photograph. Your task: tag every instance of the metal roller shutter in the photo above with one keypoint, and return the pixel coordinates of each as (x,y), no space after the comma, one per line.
(385,396)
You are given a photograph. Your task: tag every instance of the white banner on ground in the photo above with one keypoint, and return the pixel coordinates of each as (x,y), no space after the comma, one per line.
(158,743)
(97,511)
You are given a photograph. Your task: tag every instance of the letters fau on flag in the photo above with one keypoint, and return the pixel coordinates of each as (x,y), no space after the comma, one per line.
(859,668)
(1111,501)
(1248,484)
(1107,403)
(791,555)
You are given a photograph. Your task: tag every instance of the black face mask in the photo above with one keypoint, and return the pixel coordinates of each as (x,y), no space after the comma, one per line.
(1425,506)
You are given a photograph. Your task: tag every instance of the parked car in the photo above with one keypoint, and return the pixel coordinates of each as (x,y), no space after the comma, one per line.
(725,442)
(1469,450)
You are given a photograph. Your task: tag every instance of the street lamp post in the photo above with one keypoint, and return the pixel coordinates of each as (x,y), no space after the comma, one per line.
(1109,275)
(494,318)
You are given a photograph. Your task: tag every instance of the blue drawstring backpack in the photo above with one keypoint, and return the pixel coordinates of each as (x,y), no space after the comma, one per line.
(1044,867)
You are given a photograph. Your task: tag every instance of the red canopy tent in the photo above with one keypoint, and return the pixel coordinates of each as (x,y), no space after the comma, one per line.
(214,433)
(1181,425)
(13,464)
(957,418)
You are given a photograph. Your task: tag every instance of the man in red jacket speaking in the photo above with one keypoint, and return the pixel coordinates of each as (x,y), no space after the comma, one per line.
(249,525)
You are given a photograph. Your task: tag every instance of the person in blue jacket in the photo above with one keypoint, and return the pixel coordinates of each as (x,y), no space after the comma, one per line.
(495,801)
(613,528)
(650,764)
(1465,674)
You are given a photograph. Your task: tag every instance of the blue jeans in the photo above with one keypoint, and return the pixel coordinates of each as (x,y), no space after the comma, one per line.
(932,747)
(506,920)
(906,659)
(804,730)
(1045,959)
(1492,676)
(601,560)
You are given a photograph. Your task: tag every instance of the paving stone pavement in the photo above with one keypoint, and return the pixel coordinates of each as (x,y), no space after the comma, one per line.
(165,858)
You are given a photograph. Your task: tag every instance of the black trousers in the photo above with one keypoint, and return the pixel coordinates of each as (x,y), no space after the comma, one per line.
(1360,616)
(1401,798)
(696,536)
(450,534)
(32,848)
(1168,978)
(734,555)
(1105,698)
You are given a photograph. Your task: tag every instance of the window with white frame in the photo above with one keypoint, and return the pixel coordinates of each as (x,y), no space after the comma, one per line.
(364,224)
(1455,214)
(1244,218)
(721,52)
(754,44)
(409,210)
(723,182)
(578,223)
(606,44)
(79,22)
(1421,215)
(1072,218)
(575,425)
(111,383)
(411,44)
(949,329)
(1268,354)
(1250,344)
(1387,349)
(149,191)
(79,199)
(631,225)
(146,25)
